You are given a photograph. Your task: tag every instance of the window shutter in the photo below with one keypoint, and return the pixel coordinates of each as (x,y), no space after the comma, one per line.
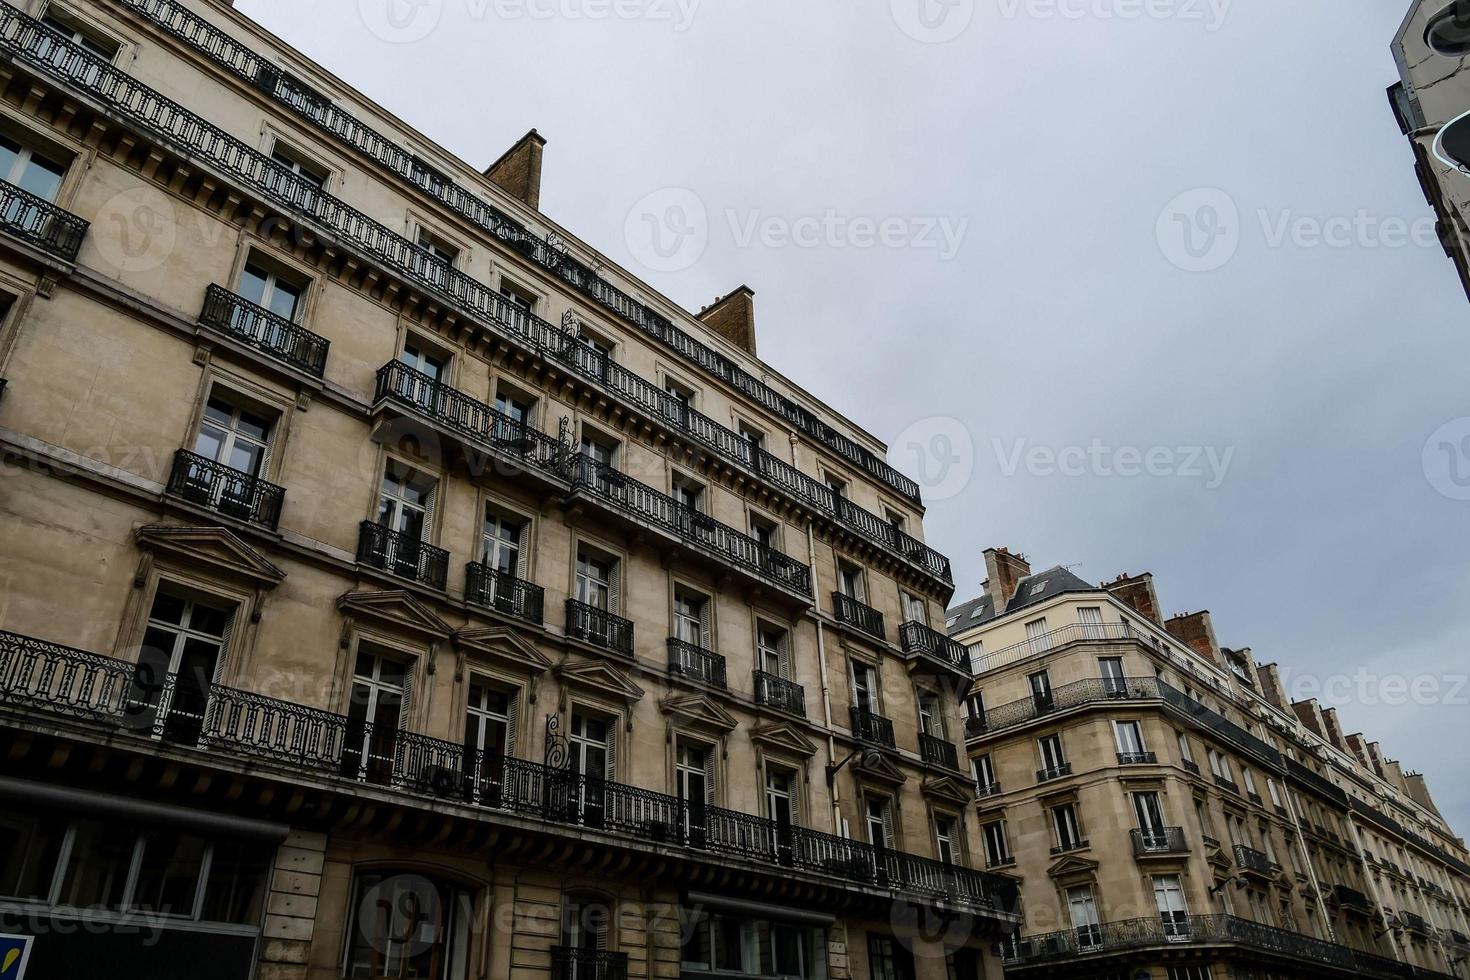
(612,750)
(888,841)
(783,655)
(403,714)
(224,648)
(512,722)
(523,552)
(614,592)
(709,776)
(796,790)
(429,501)
(704,624)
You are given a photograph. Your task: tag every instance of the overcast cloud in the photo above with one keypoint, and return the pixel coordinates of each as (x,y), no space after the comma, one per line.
(1286,365)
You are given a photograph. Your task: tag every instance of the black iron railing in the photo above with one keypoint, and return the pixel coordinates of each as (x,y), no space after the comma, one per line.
(1093,690)
(402,555)
(573,963)
(503,592)
(1192,767)
(1035,646)
(1137,758)
(1415,923)
(341,125)
(1250,859)
(40,223)
(599,628)
(1204,930)
(1318,784)
(1159,840)
(1048,773)
(938,751)
(270,333)
(1203,717)
(869,726)
(49,678)
(780,693)
(696,663)
(987,789)
(920,640)
(1227,784)
(1351,898)
(857,615)
(225,490)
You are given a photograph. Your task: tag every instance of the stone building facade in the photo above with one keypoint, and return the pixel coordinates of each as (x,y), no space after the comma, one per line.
(392,588)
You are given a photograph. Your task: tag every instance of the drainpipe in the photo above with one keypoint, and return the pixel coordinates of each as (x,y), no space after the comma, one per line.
(1373,890)
(1306,858)
(811,552)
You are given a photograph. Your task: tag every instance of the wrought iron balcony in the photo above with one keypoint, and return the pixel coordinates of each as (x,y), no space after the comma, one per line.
(865,618)
(987,790)
(1054,772)
(1093,690)
(1351,898)
(126,698)
(1253,861)
(493,589)
(1137,759)
(1190,766)
(1255,798)
(267,332)
(976,725)
(599,628)
(1227,784)
(402,555)
(696,663)
(1318,784)
(1167,932)
(1067,847)
(573,963)
(228,491)
(1415,923)
(1035,646)
(38,222)
(869,726)
(1158,841)
(780,693)
(938,751)
(921,641)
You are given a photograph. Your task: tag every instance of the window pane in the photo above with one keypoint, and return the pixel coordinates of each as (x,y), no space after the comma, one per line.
(42,177)
(168,878)
(236,886)
(28,849)
(252,284)
(97,873)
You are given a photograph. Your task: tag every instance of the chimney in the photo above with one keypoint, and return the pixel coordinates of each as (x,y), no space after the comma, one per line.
(1333,730)
(1195,631)
(1004,572)
(733,317)
(1419,792)
(1394,772)
(1359,750)
(518,171)
(1137,591)
(1375,755)
(1270,680)
(1306,713)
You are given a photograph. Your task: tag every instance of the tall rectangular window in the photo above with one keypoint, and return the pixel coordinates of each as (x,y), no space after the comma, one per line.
(997,848)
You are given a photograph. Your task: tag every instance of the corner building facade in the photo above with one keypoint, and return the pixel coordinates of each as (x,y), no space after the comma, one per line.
(1171,813)
(393,590)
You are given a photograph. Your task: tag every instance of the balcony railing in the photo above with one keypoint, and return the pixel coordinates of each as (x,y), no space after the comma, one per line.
(402,555)
(1250,859)
(861,617)
(869,726)
(1137,759)
(779,693)
(1054,639)
(976,725)
(1227,784)
(573,963)
(1351,898)
(1049,773)
(1159,840)
(987,790)
(45,677)
(599,628)
(503,592)
(228,491)
(696,663)
(938,751)
(1205,718)
(270,333)
(1206,930)
(1093,690)
(1416,924)
(1190,766)
(40,223)
(338,123)
(920,640)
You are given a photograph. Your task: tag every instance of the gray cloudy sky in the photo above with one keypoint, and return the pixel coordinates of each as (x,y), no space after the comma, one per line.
(1306,333)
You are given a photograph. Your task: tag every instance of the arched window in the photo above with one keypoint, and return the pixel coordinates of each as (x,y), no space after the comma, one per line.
(406,926)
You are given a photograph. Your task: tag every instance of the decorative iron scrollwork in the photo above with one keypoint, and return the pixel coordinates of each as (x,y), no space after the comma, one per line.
(558,753)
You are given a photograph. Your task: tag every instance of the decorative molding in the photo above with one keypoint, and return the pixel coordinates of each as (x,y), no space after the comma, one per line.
(598,676)
(396,608)
(214,548)
(698,709)
(498,643)
(949,789)
(785,738)
(885,771)
(1074,868)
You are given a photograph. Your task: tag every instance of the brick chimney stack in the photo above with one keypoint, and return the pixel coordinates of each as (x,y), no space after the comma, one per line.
(518,171)
(733,317)
(1004,572)
(1137,592)
(1195,631)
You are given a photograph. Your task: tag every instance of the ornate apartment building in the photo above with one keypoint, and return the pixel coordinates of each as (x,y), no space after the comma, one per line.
(1431,102)
(392,589)
(1168,812)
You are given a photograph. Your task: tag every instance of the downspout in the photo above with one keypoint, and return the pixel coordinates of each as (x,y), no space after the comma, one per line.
(811,552)
(1373,890)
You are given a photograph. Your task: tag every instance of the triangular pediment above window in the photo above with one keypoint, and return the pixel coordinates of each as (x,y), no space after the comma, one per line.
(784,738)
(1220,861)
(212,548)
(698,709)
(598,676)
(396,608)
(504,645)
(950,789)
(881,768)
(1074,868)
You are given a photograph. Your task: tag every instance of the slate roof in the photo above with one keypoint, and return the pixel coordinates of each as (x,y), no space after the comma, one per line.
(1035,588)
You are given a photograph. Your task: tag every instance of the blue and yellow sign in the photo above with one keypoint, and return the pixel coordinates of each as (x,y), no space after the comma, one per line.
(14,951)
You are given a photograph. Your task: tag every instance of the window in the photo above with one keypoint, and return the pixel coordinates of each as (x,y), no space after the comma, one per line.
(1092,622)
(188,639)
(688,495)
(764,532)
(1206,821)
(781,797)
(593,747)
(1150,814)
(288,159)
(376,709)
(86,39)
(691,617)
(838,486)
(914,609)
(1273,791)
(600,451)
(1040,684)
(1064,824)
(770,651)
(753,437)
(1250,780)
(272,288)
(977,656)
(521,298)
(407,927)
(30,846)
(424,360)
(1169,897)
(716,941)
(975,705)
(895,520)
(405,501)
(489,729)
(889,959)
(945,839)
(234,436)
(1129,735)
(597,581)
(694,779)
(1186,749)
(850,582)
(1111,669)
(1052,758)
(878,816)
(503,543)
(1082,907)
(997,848)
(1037,638)
(864,687)
(515,406)
(681,397)
(984,771)
(437,247)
